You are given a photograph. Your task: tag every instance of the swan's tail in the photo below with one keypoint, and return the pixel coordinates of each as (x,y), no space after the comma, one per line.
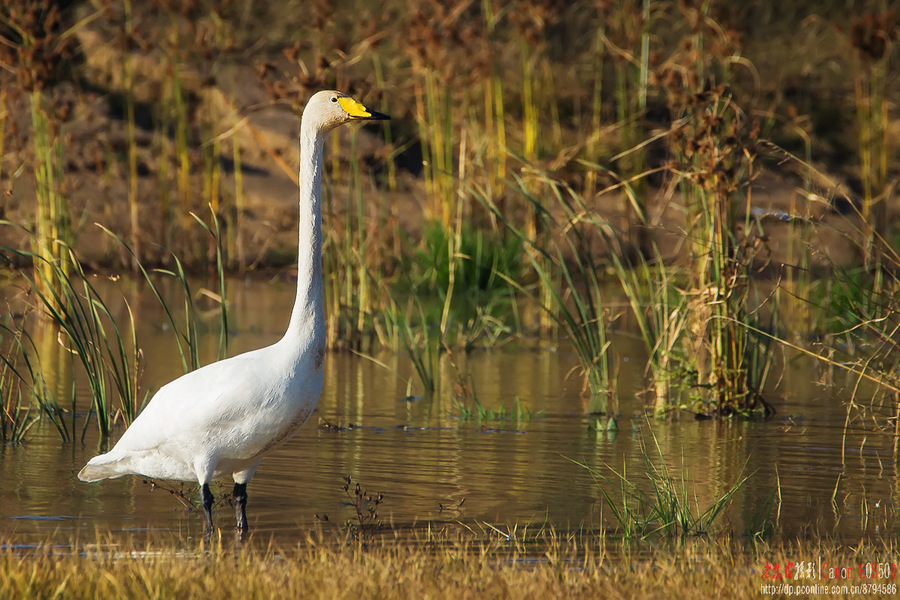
(101,467)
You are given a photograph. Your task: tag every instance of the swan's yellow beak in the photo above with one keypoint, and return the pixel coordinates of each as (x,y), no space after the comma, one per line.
(359,112)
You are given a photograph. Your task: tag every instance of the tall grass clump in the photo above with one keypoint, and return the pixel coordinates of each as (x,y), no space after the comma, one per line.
(716,167)
(186,327)
(467,271)
(659,309)
(53,230)
(712,144)
(624,43)
(91,334)
(569,271)
(16,419)
(106,348)
(351,255)
(39,46)
(412,333)
(41,368)
(873,37)
(666,505)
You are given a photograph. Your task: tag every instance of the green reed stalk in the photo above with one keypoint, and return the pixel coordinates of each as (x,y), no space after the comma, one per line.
(190,334)
(186,335)
(212,170)
(182,154)
(128,74)
(53,227)
(235,230)
(76,308)
(531,126)
(593,140)
(671,508)
(660,314)
(499,127)
(454,237)
(576,304)
(361,250)
(216,239)
(16,419)
(871,95)
(417,343)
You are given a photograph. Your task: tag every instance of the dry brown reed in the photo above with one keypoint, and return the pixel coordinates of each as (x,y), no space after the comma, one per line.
(656,97)
(436,565)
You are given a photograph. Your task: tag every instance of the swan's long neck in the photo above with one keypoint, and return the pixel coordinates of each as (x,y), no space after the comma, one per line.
(308,314)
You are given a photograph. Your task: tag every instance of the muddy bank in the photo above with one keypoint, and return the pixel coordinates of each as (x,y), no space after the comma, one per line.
(170,123)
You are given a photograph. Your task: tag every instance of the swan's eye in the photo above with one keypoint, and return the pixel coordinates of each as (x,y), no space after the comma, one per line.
(333,99)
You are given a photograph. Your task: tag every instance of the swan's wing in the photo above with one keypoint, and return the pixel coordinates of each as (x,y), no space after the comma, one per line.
(210,400)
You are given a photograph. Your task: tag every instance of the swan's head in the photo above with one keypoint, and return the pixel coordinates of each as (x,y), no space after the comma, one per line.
(329,109)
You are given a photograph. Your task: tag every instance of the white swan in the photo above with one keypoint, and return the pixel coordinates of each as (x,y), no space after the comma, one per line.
(221,419)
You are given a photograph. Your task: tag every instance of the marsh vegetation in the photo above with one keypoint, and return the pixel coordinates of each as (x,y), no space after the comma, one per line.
(695,202)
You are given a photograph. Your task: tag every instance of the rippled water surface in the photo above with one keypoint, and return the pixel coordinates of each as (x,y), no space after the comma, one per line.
(434,466)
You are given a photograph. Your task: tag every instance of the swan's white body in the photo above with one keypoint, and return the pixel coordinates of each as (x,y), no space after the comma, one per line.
(221,419)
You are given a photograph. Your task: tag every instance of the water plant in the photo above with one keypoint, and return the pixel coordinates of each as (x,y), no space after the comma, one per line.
(187,328)
(576,302)
(53,234)
(518,412)
(109,359)
(498,104)
(468,271)
(872,37)
(16,418)
(417,341)
(365,506)
(670,508)
(90,333)
(713,145)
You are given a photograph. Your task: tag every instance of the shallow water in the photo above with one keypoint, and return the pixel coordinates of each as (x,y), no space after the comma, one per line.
(436,467)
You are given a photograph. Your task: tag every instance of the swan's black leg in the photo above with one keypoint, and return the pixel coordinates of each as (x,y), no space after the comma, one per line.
(207,506)
(240,505)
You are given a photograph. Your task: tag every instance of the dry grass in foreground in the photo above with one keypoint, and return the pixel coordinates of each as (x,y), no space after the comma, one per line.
(420,569)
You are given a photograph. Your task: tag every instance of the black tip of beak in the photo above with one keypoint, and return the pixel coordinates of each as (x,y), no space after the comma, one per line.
(377,116)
